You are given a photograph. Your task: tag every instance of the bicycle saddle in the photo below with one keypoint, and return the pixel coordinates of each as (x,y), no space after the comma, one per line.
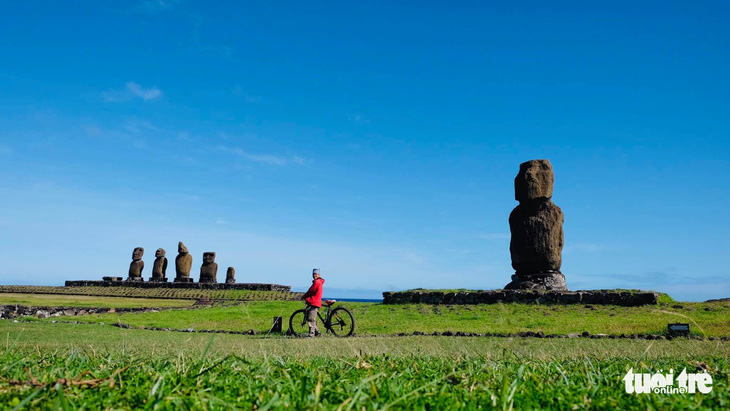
(329,302)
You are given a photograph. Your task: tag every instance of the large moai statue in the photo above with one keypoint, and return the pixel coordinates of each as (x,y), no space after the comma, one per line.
(159,268)
(183,264)
(137,265)
(231,275)
(209,269)
(536,225)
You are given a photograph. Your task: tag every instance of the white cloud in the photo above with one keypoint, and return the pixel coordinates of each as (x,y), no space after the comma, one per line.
(146,94)
(132,90)
(137,127)
(583,248)
(115,96)
(358,118)
(493,236)
(270,159)
(158,6)
(92,130)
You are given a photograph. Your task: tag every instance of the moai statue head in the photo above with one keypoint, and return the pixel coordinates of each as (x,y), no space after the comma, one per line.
(181,249)
(137,254)
(208,257)
(160,252)
(534,180)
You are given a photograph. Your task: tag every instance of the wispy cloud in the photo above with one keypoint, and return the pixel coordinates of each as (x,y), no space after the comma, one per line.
(239,91)
(358,118)
(132,90)
(223,50)
(270,159)
(584,248)
(144,93)
(136,126)
(158,6)
(92,130)
(493,236)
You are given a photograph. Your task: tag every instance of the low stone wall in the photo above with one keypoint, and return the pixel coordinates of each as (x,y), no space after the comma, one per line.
(601,297)
(199,286)
(10,311)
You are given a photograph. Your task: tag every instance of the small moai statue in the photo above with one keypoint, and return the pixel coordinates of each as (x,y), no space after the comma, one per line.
(231,275)
(183,264)
(536,226)
(159,267)
(209,269)
(137,265)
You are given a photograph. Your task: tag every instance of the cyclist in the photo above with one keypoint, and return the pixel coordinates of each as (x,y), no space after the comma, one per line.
(313,298)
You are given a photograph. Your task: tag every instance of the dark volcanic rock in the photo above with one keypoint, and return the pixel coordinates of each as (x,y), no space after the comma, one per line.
(534,180)
(183,264)
(209,269)
(231,275)
(137,265)
(537,237)
(536,227)
(159,267)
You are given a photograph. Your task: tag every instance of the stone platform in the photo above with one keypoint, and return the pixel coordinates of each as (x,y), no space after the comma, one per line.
(626,298)
(178,285)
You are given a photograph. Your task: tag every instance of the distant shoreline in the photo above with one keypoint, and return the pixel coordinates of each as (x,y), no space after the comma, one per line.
(357,300)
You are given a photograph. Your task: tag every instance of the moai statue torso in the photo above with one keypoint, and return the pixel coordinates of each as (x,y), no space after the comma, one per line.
(183,264)
(536,225)
(209,269)
(231,275)
(137,265)
(159,268)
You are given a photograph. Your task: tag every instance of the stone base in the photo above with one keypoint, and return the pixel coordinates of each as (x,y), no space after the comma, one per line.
(626,298)
(208,281)
(190,285)
(135,279)
(552,281)
(183,280)
(111,278)
(230,282)
(157,280)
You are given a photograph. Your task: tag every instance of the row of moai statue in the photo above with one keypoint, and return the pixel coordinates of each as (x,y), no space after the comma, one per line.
(536,227)
(183,265)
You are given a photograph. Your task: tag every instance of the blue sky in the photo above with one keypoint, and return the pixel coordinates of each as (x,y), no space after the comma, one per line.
(377,141)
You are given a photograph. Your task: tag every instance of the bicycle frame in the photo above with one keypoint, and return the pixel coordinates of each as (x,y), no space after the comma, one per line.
(326,320)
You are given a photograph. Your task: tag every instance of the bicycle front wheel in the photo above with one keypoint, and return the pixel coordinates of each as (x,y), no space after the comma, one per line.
(298,323)
(342,323)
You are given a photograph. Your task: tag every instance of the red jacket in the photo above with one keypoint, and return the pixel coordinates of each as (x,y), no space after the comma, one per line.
(313,296)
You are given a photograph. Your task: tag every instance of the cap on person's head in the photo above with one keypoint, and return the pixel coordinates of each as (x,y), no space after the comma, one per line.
(315,271)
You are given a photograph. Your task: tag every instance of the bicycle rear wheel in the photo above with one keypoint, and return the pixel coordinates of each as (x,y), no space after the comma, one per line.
(342,323)
(298,323)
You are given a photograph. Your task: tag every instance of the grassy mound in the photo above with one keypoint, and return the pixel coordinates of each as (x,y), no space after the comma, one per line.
(709,319)
(165,293)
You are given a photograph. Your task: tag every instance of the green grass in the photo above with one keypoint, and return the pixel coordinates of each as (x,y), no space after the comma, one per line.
(175,370)
(51,300)
(166,293)
(710,319)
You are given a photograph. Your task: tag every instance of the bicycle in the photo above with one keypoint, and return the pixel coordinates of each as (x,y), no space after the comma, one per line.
(339,321)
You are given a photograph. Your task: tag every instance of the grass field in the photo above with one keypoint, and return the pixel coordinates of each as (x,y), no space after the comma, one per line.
(43,365)
(54,300)
(708,319)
